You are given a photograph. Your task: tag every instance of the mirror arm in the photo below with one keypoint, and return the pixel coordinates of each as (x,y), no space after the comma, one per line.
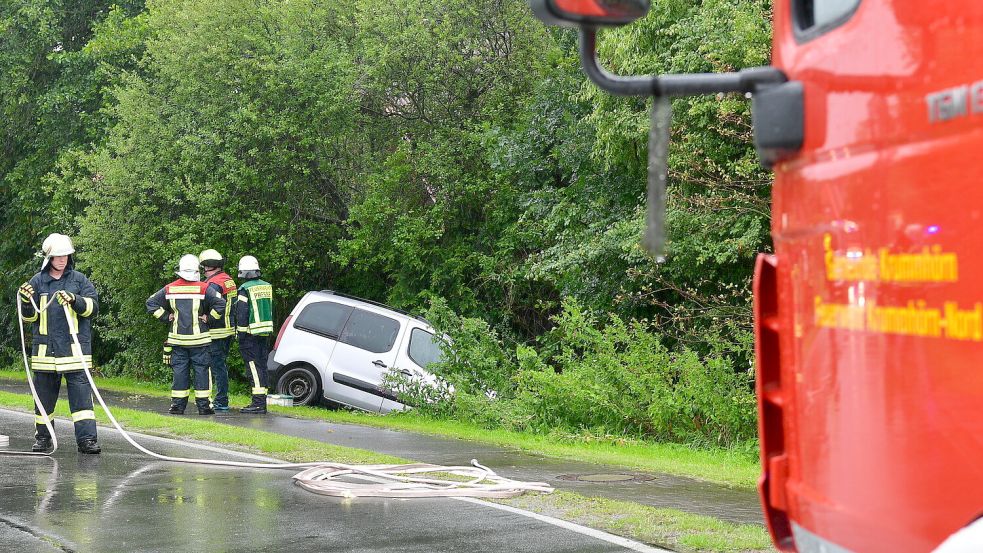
(746,80)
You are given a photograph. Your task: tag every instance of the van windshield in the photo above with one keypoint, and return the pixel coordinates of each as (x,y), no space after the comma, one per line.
(424,348)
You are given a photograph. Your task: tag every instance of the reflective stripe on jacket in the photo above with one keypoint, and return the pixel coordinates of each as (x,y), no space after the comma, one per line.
(226,287)
(254,308)
(187,301)
(52,347)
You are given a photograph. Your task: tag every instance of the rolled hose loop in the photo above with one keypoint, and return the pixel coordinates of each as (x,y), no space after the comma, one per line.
(320,477)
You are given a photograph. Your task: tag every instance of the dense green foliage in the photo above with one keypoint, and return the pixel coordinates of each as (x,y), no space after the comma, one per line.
(442,155)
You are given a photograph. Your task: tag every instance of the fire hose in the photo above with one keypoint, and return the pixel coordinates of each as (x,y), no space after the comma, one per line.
(321,477)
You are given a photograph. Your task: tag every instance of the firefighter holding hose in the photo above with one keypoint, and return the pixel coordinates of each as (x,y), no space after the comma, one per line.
(53,350)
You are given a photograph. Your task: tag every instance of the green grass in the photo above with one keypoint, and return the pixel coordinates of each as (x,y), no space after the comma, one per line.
(664,527)
(657,526)
(287,448)
(727,467)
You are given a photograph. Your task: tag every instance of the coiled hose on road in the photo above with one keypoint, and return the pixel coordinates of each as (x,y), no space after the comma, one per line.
(322,477)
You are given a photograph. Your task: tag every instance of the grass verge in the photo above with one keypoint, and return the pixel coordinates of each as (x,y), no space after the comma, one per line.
(286,448)
(664,527)
(730,468)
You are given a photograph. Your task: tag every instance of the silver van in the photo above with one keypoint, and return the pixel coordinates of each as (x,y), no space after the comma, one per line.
(337,348)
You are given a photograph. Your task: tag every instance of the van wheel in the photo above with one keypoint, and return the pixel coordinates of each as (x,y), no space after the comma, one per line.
(302,383)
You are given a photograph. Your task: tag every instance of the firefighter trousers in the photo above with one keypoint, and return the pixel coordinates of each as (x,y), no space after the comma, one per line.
(218,353)
(254,351)
(183,361)
(48,384)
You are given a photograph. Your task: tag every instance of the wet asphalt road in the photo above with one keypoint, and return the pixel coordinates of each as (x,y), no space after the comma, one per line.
(657,490)
(124,501)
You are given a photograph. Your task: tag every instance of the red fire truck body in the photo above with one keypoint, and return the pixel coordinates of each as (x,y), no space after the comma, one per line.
(869,315)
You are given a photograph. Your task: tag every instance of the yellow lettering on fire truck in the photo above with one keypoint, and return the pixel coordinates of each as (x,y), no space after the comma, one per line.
(931,264)
(913,319)
(963,324)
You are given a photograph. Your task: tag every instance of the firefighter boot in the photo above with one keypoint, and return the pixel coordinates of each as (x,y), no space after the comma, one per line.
(42,444)
(89,446)
(257,407)
(204,406)
(178,405)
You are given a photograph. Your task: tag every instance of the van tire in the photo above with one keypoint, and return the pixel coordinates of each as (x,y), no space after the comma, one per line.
(302,382)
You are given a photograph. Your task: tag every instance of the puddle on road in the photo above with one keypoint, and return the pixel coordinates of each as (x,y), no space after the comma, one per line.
(601,478)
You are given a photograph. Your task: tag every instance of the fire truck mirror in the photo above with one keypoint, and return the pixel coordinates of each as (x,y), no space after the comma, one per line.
(778,117)
(589,13)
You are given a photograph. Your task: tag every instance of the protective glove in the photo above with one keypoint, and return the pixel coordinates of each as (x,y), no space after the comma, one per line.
(65,298)
(167,355)
(26,292)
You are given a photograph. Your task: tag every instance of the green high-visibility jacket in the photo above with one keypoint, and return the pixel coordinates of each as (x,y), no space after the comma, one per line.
(254,308)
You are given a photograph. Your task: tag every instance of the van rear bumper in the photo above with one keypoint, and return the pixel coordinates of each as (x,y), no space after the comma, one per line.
(273,370)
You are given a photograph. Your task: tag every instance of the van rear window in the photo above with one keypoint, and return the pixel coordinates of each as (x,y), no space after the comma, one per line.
(324,318)
(370,331)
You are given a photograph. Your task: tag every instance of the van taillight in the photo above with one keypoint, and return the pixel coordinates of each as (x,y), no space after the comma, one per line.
(286,322)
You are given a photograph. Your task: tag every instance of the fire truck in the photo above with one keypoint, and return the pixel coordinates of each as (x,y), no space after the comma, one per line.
(869,315)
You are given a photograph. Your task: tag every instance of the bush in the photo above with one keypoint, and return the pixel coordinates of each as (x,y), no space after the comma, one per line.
(590,378)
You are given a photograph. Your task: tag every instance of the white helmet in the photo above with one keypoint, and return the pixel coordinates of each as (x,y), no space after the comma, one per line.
(187,268)
(248,267)
(56,245)
(248,263)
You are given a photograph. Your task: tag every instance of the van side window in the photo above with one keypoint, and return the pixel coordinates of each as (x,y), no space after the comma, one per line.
(424,348)
(815,17)
(370,331)
(324,318)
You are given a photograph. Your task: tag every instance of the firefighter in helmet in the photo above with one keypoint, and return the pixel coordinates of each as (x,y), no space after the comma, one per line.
(254,325)
(53,350)
(186,305)
(221,331)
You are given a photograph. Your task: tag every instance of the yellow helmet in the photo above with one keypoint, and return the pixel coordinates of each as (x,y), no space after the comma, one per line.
(211,258)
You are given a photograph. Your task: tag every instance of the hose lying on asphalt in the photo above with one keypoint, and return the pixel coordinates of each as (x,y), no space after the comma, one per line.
(482,482)
(319,477)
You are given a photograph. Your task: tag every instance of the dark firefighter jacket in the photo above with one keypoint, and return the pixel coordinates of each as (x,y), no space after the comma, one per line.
(187,301)
(226,287)
(52,347)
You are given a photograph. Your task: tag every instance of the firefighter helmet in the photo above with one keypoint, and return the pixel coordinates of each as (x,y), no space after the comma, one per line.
(211,258)
(56,245)
(187,268)
(248,263)
(248,267)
